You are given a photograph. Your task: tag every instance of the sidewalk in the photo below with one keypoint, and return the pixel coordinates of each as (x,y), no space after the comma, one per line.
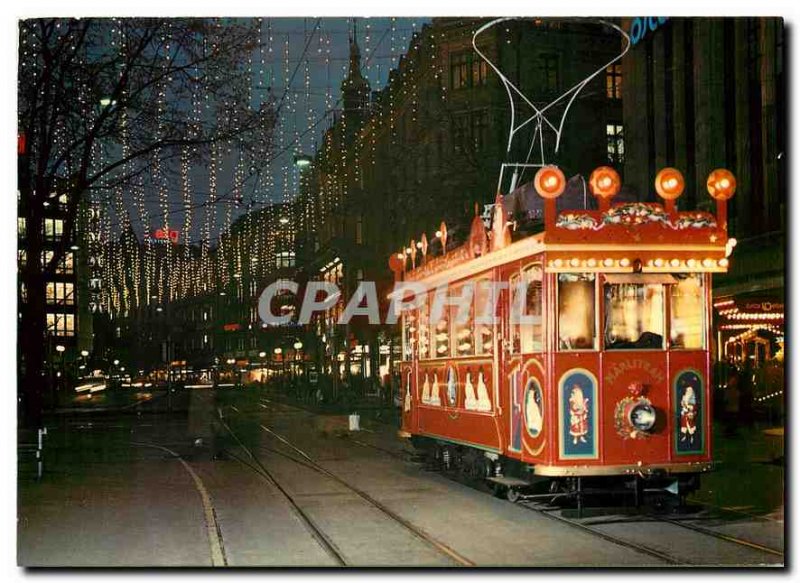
(747,477)
(105,501)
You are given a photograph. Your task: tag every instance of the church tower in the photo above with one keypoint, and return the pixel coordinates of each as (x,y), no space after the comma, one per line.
(355,91)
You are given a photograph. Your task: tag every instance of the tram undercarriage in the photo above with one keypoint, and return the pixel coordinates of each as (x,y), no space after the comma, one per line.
(511,479)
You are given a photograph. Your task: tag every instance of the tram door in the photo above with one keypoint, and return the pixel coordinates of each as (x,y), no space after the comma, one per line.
(525,334)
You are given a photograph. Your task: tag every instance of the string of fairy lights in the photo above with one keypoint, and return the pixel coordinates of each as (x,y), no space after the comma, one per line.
(223,233)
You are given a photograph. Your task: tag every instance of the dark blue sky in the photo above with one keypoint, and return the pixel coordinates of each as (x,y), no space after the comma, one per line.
(309,82)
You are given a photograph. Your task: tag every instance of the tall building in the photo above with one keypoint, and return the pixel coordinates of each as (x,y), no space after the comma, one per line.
(705,93)
(428,147)
(70,287)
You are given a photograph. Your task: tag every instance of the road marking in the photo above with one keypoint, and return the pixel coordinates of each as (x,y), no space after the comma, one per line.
(218,558)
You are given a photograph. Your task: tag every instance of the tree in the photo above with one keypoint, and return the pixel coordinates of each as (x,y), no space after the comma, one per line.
(103,101)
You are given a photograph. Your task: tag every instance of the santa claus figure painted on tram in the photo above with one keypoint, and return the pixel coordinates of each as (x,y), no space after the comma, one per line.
(578,423)
(688,407)
(578,415)
(688,422)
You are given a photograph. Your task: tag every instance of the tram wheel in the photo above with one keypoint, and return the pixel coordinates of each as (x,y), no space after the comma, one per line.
(499,490)
(512,495)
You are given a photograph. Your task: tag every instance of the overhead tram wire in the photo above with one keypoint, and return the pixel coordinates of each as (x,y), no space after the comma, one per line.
(224,198)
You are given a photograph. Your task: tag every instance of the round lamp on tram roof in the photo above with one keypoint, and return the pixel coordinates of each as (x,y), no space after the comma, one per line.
(550,182)
(604,182)
(670,183)
(721,184)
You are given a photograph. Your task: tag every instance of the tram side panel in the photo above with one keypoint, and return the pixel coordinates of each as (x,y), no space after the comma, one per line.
(690,400)
(455,402)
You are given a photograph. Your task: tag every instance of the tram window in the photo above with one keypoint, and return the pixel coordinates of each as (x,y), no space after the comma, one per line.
(440,330)
(424,331)
(634,316)
(409,334)
(531,319)
(513,321)
(576,311)
(463,328)
(483,317)
(687,307)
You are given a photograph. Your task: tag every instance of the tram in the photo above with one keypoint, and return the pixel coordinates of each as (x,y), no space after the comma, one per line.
(594,367)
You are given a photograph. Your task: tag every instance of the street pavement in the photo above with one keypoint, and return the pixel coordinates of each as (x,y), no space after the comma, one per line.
(246,478)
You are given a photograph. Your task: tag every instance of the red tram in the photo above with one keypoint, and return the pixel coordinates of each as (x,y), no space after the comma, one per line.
(607,375)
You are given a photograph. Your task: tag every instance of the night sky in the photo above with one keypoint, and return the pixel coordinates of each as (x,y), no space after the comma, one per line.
(309,85)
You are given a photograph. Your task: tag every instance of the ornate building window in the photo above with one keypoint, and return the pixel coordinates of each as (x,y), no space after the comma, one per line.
(615,143)
(614,81)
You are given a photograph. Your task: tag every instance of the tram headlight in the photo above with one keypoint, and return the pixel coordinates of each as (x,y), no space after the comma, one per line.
(643,416)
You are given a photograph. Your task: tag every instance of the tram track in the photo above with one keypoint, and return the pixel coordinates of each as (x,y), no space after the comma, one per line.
(642,549)
(258,467)
(646,549)
(300,457)
(303,459)
(721,536)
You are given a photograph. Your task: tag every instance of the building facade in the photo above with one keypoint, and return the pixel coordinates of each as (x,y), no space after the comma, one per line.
(706,93)
(428,148)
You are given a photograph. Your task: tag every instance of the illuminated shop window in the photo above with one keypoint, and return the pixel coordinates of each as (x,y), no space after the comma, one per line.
(483,314)
(687,309)
(467,70)
(576,311)
(284,259)
(615,143)
(614,81)
(22,227)
(634,316)
(22,257)
(64,267)
(60,293)
(60,324)
(53,229)
(531,319)
(459,70)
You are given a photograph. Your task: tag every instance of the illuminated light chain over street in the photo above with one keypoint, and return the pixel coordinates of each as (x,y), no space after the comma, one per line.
(322,291)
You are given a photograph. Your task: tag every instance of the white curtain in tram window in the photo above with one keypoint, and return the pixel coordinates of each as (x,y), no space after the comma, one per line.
(687,313)
(531,333)
(483,314)
(576,312)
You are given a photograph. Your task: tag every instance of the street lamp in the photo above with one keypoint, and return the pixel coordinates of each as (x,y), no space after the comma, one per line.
(60,348)
(302,161)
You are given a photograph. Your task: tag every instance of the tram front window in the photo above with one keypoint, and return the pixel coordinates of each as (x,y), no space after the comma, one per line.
(634,315)
(576,320)
(687,309)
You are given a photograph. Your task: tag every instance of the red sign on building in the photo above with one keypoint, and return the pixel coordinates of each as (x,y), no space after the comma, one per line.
(166,235)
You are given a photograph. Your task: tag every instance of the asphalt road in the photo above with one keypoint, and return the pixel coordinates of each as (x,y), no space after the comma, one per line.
(240,478)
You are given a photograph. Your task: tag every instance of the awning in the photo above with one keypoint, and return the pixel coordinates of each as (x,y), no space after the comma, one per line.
(640,278)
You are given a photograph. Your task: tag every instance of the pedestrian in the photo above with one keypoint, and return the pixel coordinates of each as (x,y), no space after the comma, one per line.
(732,402)
(746,387)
